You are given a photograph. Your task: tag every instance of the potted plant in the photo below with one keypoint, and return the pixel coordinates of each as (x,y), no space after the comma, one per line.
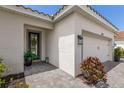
(117,54)
(29,57)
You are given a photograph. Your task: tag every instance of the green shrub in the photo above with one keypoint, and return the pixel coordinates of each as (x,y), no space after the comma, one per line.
(122,53)
(118,51)
(93,70)
(31,55)
(3,68)
(5,81)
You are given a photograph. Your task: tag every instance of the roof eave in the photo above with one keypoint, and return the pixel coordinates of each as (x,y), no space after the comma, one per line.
(27,12)
(66,10)
(70,9)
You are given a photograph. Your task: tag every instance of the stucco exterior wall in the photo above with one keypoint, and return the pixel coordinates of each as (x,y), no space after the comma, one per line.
(12,38)
(64,54)
(61,40)
(60,45)
(85,24)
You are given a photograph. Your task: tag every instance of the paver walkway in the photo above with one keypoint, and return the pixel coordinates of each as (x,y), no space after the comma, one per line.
(48,76)
(115,72)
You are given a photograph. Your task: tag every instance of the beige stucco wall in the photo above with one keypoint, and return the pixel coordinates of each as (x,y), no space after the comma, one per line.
(12,38)
(60,45)
(85,24)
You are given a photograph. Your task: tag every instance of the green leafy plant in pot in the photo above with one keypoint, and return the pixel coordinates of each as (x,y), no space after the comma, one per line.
(29,57)
(117,54)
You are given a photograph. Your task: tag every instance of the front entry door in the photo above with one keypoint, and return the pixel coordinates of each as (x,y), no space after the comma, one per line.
(34,43)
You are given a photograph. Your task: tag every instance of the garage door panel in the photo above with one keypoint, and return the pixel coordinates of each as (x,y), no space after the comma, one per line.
(96,47)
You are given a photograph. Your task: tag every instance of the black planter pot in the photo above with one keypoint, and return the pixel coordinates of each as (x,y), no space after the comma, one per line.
(116,58)
(28,62)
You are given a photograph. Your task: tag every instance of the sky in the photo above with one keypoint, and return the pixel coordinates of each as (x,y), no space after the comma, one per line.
(47,9)
(115,14)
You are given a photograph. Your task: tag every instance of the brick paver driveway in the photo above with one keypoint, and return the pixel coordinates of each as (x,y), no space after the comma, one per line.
(115,72)
(48,76)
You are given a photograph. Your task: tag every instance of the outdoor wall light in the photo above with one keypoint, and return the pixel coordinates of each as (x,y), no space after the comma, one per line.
(80,39)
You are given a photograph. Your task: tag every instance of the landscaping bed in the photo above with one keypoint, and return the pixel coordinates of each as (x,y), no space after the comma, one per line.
(18,83)
(14,81)
(93,72)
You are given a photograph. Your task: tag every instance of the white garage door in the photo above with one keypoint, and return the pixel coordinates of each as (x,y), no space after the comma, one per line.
(96,47)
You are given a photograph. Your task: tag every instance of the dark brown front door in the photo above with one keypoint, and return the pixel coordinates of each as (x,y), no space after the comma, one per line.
(34,43)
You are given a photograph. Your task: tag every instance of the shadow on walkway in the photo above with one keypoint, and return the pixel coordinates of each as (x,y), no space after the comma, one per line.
(38,68)
(110,65)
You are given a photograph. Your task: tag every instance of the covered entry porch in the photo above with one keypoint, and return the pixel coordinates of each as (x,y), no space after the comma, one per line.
(35,42)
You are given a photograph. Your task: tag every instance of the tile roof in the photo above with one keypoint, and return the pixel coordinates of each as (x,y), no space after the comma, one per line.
(119,36)
(63,8)
(102,16)
(92,9)
(60,10)
(42,13)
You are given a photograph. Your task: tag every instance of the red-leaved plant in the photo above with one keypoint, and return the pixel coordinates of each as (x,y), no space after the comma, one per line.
(93,70)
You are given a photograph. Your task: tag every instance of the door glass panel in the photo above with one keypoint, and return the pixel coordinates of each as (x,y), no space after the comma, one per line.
(34,43)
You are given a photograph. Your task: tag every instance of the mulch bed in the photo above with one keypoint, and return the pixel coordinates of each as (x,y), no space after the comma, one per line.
(84,80)
(14,81)
(18,83)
